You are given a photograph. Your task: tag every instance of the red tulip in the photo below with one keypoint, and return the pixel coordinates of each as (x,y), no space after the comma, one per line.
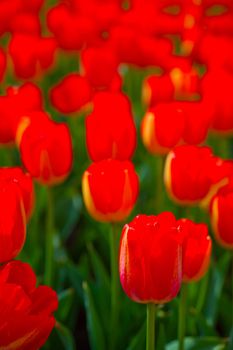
(70,29)
(100,66)
(162,128)
(45,148)
(198,118)
(12,223)
(196,250)
(71,94)
(27,310)
(29,52)
(217,93)
(18,102)
(150,260)
(22,183)
(110,129)
(221,211)
(110,190)
(25,23)
(157,89)
(190,172)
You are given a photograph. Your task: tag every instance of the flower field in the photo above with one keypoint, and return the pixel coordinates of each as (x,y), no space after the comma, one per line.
(116,174)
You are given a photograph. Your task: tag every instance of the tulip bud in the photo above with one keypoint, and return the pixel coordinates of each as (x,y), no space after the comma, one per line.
(45,148)
(23,185)
(190,172)
(147,244)
(100,66)
(221,212)
(29,53)
(18,101)
(12,223)
(71,94)
(27,310)
(162,128)
(110,129)
(196,250)
(157,89)
(110,190)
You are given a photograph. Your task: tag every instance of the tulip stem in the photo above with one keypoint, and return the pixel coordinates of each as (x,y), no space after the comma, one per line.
(150,332)
(182,315)
(49,248)
(114,286)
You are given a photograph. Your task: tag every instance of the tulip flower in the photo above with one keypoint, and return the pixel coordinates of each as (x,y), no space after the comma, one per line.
(27,310)
(12,223)
(218,99)
(110,190)
(71,94)
(198,118)
(45,148)
(221,211)
(70,29)
(29,52)
(157,89)
(147,244)
(196,250)
(190,172)
(100,66)
(110,129)
(22,182)
(162,128)
(17,102)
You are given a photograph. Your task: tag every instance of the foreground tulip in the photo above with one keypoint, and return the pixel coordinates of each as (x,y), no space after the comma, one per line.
(221,212)
(23,185)
(45,148)
(71,94)
(162,128)
(12,223)
(147,244)
(110,190)
(26,310)
(110,129)
(196,250)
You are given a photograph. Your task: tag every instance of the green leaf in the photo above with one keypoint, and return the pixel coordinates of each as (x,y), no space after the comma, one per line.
(65,298)
(95,331)
(203,343)
(138,342)
(216,283)
(99,269)
(66,337)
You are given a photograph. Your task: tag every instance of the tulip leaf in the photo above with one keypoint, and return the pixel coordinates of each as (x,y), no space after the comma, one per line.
(95,331)
(217,279)
(66,299)
(99,269)
(202,343)
(139,340)
(66,337)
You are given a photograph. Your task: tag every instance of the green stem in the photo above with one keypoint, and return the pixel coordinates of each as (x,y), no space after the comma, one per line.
(49,240)
(182,315)
(114,286)
(150,331)
(159,169)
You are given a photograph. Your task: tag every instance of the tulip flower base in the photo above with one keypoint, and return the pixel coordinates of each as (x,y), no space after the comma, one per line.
(116,121)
